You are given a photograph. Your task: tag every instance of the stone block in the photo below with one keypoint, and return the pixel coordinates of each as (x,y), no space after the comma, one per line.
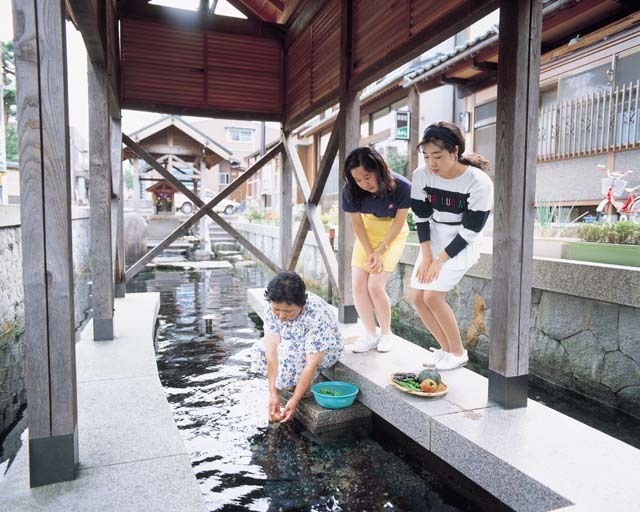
(628,399)
(620,371)
(630,332)
(319,420)
(561,316)
(586,355)
(604,324)
(549,360)
(244,263)
(225,246)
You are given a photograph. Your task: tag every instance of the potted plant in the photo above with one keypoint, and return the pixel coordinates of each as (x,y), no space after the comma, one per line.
(617,243)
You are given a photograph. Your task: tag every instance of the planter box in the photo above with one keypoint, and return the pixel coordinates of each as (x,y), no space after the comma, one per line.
(550,248)
(614,254)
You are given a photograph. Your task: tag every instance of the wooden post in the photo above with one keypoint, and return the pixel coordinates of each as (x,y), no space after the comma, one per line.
(135,169)
(117,210)
(100,202)
(47,258)
(516,130)
(205,238)
(286,210)
(349,130)
(414,130)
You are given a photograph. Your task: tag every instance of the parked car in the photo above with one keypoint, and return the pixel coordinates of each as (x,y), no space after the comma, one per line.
(184,204)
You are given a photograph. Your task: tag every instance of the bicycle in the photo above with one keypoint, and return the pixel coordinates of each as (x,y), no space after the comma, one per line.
(610,208)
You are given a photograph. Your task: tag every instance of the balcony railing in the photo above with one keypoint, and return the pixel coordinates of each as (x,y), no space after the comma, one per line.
(596,123)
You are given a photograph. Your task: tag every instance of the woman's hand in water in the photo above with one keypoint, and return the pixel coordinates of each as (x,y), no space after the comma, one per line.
(275,414)
(289,410)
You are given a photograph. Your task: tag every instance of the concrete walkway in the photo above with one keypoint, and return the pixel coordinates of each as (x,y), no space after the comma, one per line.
(532,459)
(132,457)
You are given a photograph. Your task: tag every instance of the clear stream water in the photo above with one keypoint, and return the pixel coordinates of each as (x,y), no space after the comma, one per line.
(240,461)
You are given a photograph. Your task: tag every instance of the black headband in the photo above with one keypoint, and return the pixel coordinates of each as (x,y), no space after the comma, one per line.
(443,134)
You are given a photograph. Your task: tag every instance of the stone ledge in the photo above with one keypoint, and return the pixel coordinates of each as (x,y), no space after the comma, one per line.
(532,458)
(608,283)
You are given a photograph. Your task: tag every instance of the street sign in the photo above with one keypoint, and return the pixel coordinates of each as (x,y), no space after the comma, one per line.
(402,124)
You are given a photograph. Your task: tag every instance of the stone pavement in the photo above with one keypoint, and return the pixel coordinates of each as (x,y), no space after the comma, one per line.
(132,457)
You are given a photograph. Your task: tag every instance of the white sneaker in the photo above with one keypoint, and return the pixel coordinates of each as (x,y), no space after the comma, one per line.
(451,362)
(385,343)
(434,357)
(365,343)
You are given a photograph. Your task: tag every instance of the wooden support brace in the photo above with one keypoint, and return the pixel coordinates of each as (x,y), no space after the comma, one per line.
(312,213)
(316,192)
(205,208)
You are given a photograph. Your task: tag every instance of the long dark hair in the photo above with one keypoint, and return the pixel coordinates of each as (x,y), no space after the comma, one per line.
(447,136)
(371,160)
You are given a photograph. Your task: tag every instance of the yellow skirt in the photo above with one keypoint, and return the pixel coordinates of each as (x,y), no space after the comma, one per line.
(377,229)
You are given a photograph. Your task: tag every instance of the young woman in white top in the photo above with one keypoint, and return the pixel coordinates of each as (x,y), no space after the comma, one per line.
(451,197)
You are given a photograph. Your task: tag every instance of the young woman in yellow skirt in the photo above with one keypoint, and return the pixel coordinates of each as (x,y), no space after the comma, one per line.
(378,202)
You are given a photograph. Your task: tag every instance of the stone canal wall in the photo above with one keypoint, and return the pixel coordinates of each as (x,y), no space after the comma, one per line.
(585,318)
(12,367)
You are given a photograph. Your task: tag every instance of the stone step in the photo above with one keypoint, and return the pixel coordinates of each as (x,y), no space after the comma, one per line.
(224,246)
(321,421)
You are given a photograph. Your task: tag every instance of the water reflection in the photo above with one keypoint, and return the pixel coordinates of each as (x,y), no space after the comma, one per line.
(241,462)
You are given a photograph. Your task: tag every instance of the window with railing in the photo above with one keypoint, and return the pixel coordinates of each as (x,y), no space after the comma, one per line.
(595,110)
(601,121)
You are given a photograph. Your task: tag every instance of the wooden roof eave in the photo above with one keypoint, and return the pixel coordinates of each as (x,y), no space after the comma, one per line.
(185,127)
(196,21)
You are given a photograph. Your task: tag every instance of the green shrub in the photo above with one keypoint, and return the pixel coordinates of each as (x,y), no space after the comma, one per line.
(624,232)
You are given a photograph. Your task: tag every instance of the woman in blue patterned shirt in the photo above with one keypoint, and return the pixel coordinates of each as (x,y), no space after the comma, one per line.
(301,338)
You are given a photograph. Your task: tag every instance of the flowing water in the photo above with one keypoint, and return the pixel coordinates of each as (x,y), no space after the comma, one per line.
(240,461)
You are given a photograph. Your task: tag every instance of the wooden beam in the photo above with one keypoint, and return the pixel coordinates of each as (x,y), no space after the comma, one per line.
(516,144)
(414,130)
(200,111)
(312,212)
(302,20)
(193,20)
(286,212)
(432,35)
(594,37)
(316,193)
(238,4)
(298,244)
(326,163)
(117,213)
(100,190)
(205,208)
(290,8)
(349,131)
(484,66)
(47,258)
(92,25)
